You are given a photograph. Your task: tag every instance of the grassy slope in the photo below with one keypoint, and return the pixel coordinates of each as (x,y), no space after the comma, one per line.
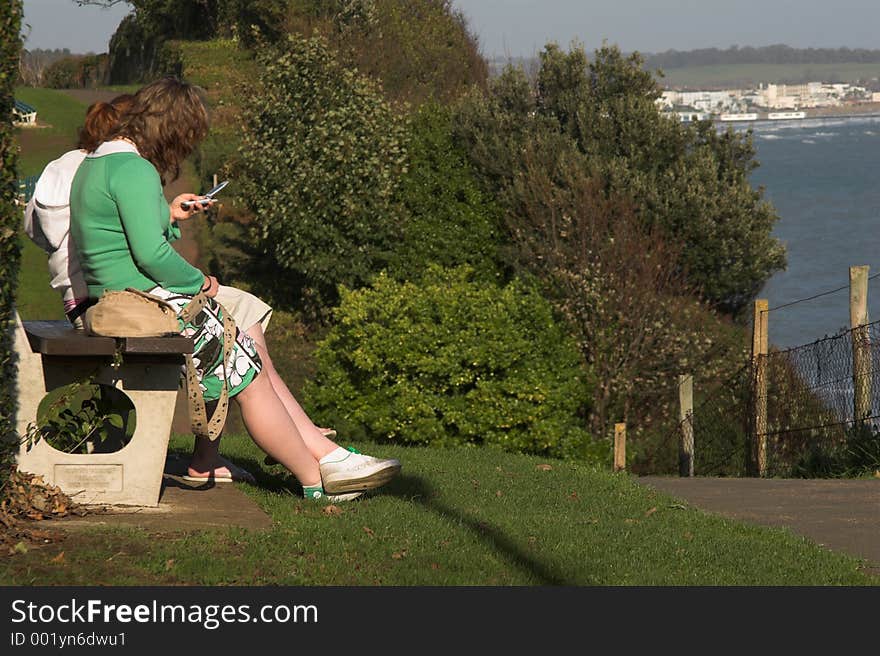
(61,115)
(454,517)
(743,74)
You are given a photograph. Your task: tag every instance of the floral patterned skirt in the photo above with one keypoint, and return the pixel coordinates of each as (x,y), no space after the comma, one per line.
(206,330)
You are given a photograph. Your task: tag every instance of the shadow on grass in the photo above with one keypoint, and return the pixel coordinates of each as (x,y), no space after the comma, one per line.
(415,489)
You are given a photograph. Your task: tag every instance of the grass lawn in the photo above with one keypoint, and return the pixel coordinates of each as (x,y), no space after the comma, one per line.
(58,117)
(462,516)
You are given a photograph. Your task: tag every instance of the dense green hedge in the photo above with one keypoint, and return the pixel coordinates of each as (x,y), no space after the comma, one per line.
(452,360)
(10,46)
(449,220)
(320,164)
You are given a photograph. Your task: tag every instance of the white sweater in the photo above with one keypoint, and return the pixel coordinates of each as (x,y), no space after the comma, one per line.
(47,223)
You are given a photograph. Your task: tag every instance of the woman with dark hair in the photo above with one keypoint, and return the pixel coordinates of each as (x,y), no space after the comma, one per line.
(121,226)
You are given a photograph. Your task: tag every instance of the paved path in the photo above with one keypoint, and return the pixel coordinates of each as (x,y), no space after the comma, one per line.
(183,506)
(843,515)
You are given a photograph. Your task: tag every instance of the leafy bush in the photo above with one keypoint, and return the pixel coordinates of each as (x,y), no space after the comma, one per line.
(10,219)
(616,272)
(450,221)
(77,72)
(690,182)
(320,165)
(419,50)
(452,361)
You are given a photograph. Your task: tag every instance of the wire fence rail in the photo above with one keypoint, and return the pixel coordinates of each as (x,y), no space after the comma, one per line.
(808,411)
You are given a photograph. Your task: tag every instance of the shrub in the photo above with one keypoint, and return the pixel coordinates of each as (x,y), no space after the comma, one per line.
(688,181)
(77,72)
(10,219)
(452,361)
(420,50)
(450,221)
(320,161)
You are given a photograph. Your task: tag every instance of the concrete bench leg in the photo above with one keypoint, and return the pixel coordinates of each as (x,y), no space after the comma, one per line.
(130,476)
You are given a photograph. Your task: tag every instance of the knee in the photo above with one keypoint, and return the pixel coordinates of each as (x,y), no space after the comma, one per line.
(256,388)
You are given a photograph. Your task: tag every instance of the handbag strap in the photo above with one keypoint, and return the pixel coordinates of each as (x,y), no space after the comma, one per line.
(201,427)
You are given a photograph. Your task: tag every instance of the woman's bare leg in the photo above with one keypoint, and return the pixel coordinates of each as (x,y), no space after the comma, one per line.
(274,431)
(318,444)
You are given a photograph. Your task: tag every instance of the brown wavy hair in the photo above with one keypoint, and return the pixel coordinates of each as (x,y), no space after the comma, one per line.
(166,122)
(101,119)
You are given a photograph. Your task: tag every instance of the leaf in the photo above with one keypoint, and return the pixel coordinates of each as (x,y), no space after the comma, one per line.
(20,547)
(115,421)
(59,559)
(399,555)
(651,511)
(169,564)
(332,510)
(369,531)
(543,467)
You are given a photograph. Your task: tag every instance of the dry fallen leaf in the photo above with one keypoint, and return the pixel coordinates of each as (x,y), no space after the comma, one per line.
(498,493)
(169,564)
(543,467)
(399,555)
(435,566)
(332,510)
(573,496)
(59,559)
(369,531)
(651,511)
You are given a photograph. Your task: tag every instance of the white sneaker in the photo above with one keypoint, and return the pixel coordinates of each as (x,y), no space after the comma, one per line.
(350,471)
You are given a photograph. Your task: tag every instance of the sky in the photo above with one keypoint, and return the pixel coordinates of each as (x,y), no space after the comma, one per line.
(520,28)
(51,24)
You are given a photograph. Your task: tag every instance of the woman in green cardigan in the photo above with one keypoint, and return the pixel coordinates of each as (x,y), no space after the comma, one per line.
(121,227)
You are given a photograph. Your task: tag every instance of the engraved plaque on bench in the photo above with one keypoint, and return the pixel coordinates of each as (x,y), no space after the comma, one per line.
(104,478)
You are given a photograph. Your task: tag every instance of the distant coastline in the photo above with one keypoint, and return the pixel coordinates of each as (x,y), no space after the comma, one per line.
(860,110)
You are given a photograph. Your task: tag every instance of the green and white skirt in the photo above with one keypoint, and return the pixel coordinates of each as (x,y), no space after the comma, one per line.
(206,330)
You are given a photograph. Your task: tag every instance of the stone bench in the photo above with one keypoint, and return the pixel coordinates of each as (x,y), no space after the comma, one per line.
(52,354)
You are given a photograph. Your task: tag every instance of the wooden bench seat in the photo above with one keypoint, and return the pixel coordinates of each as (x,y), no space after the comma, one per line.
(53,354)
(60,338)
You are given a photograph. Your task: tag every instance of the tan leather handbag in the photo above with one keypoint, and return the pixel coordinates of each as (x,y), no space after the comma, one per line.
(130,313)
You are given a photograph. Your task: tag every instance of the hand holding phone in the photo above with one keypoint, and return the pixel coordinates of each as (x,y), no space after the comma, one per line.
(205,201)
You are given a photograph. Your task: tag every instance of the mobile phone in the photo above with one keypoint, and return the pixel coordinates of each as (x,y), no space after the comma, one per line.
(207,197)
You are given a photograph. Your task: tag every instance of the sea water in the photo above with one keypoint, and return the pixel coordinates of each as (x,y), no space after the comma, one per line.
(823,178)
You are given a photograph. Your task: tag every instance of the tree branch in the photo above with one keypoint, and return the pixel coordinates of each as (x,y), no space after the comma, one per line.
(106,4)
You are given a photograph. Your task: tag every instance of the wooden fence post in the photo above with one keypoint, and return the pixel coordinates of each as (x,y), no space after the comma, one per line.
(686,416)
(760,345)
(619,447)
(861,346)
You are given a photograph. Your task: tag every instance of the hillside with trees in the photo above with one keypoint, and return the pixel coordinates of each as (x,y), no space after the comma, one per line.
(773,54)
(462,250)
